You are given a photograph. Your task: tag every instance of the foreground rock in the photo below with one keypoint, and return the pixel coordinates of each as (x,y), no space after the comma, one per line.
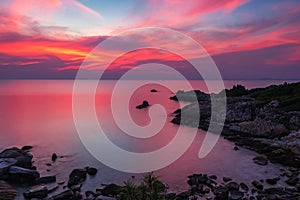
(7,192)
(24,159)
(201,186)
(5,164)
(39,191)
(24,173)
(16,166)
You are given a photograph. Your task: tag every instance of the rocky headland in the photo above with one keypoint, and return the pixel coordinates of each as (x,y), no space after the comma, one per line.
(266,120)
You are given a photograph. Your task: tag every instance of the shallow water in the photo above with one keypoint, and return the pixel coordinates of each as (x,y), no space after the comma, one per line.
(39,113)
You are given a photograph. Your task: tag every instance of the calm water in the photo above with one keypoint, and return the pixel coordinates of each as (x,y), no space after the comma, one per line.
(39,113)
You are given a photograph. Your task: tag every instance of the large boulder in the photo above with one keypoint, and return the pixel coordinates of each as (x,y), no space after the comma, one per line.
(24,159)
(20,174)
(5,163)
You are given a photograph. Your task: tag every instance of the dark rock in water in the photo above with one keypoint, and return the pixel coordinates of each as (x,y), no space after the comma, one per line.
(5,163)
(236,148)
(91,171)
(22,172)
(214,177)
(145,104)
(226,179)
(292,181)
(220,193)
(46,179)
(197,179)
(257,185)
(236,195)
(260,160)
(26,148)
(39,191)
(244,186)
(24,158)
(233,186)
(7,192)
(111,190)
(64,195)
(153,90)
(76,177)
(54,157)
(272,181)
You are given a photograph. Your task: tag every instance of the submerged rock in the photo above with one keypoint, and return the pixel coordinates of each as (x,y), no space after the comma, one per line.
(260,160)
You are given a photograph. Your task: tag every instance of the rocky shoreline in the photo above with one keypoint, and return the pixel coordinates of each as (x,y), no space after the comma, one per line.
(17,167)
(266,120)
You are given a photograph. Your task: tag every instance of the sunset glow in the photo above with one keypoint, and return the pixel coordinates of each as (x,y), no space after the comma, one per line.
(50,39)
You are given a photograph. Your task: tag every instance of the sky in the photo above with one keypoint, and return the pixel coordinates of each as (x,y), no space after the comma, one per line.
(247,39)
